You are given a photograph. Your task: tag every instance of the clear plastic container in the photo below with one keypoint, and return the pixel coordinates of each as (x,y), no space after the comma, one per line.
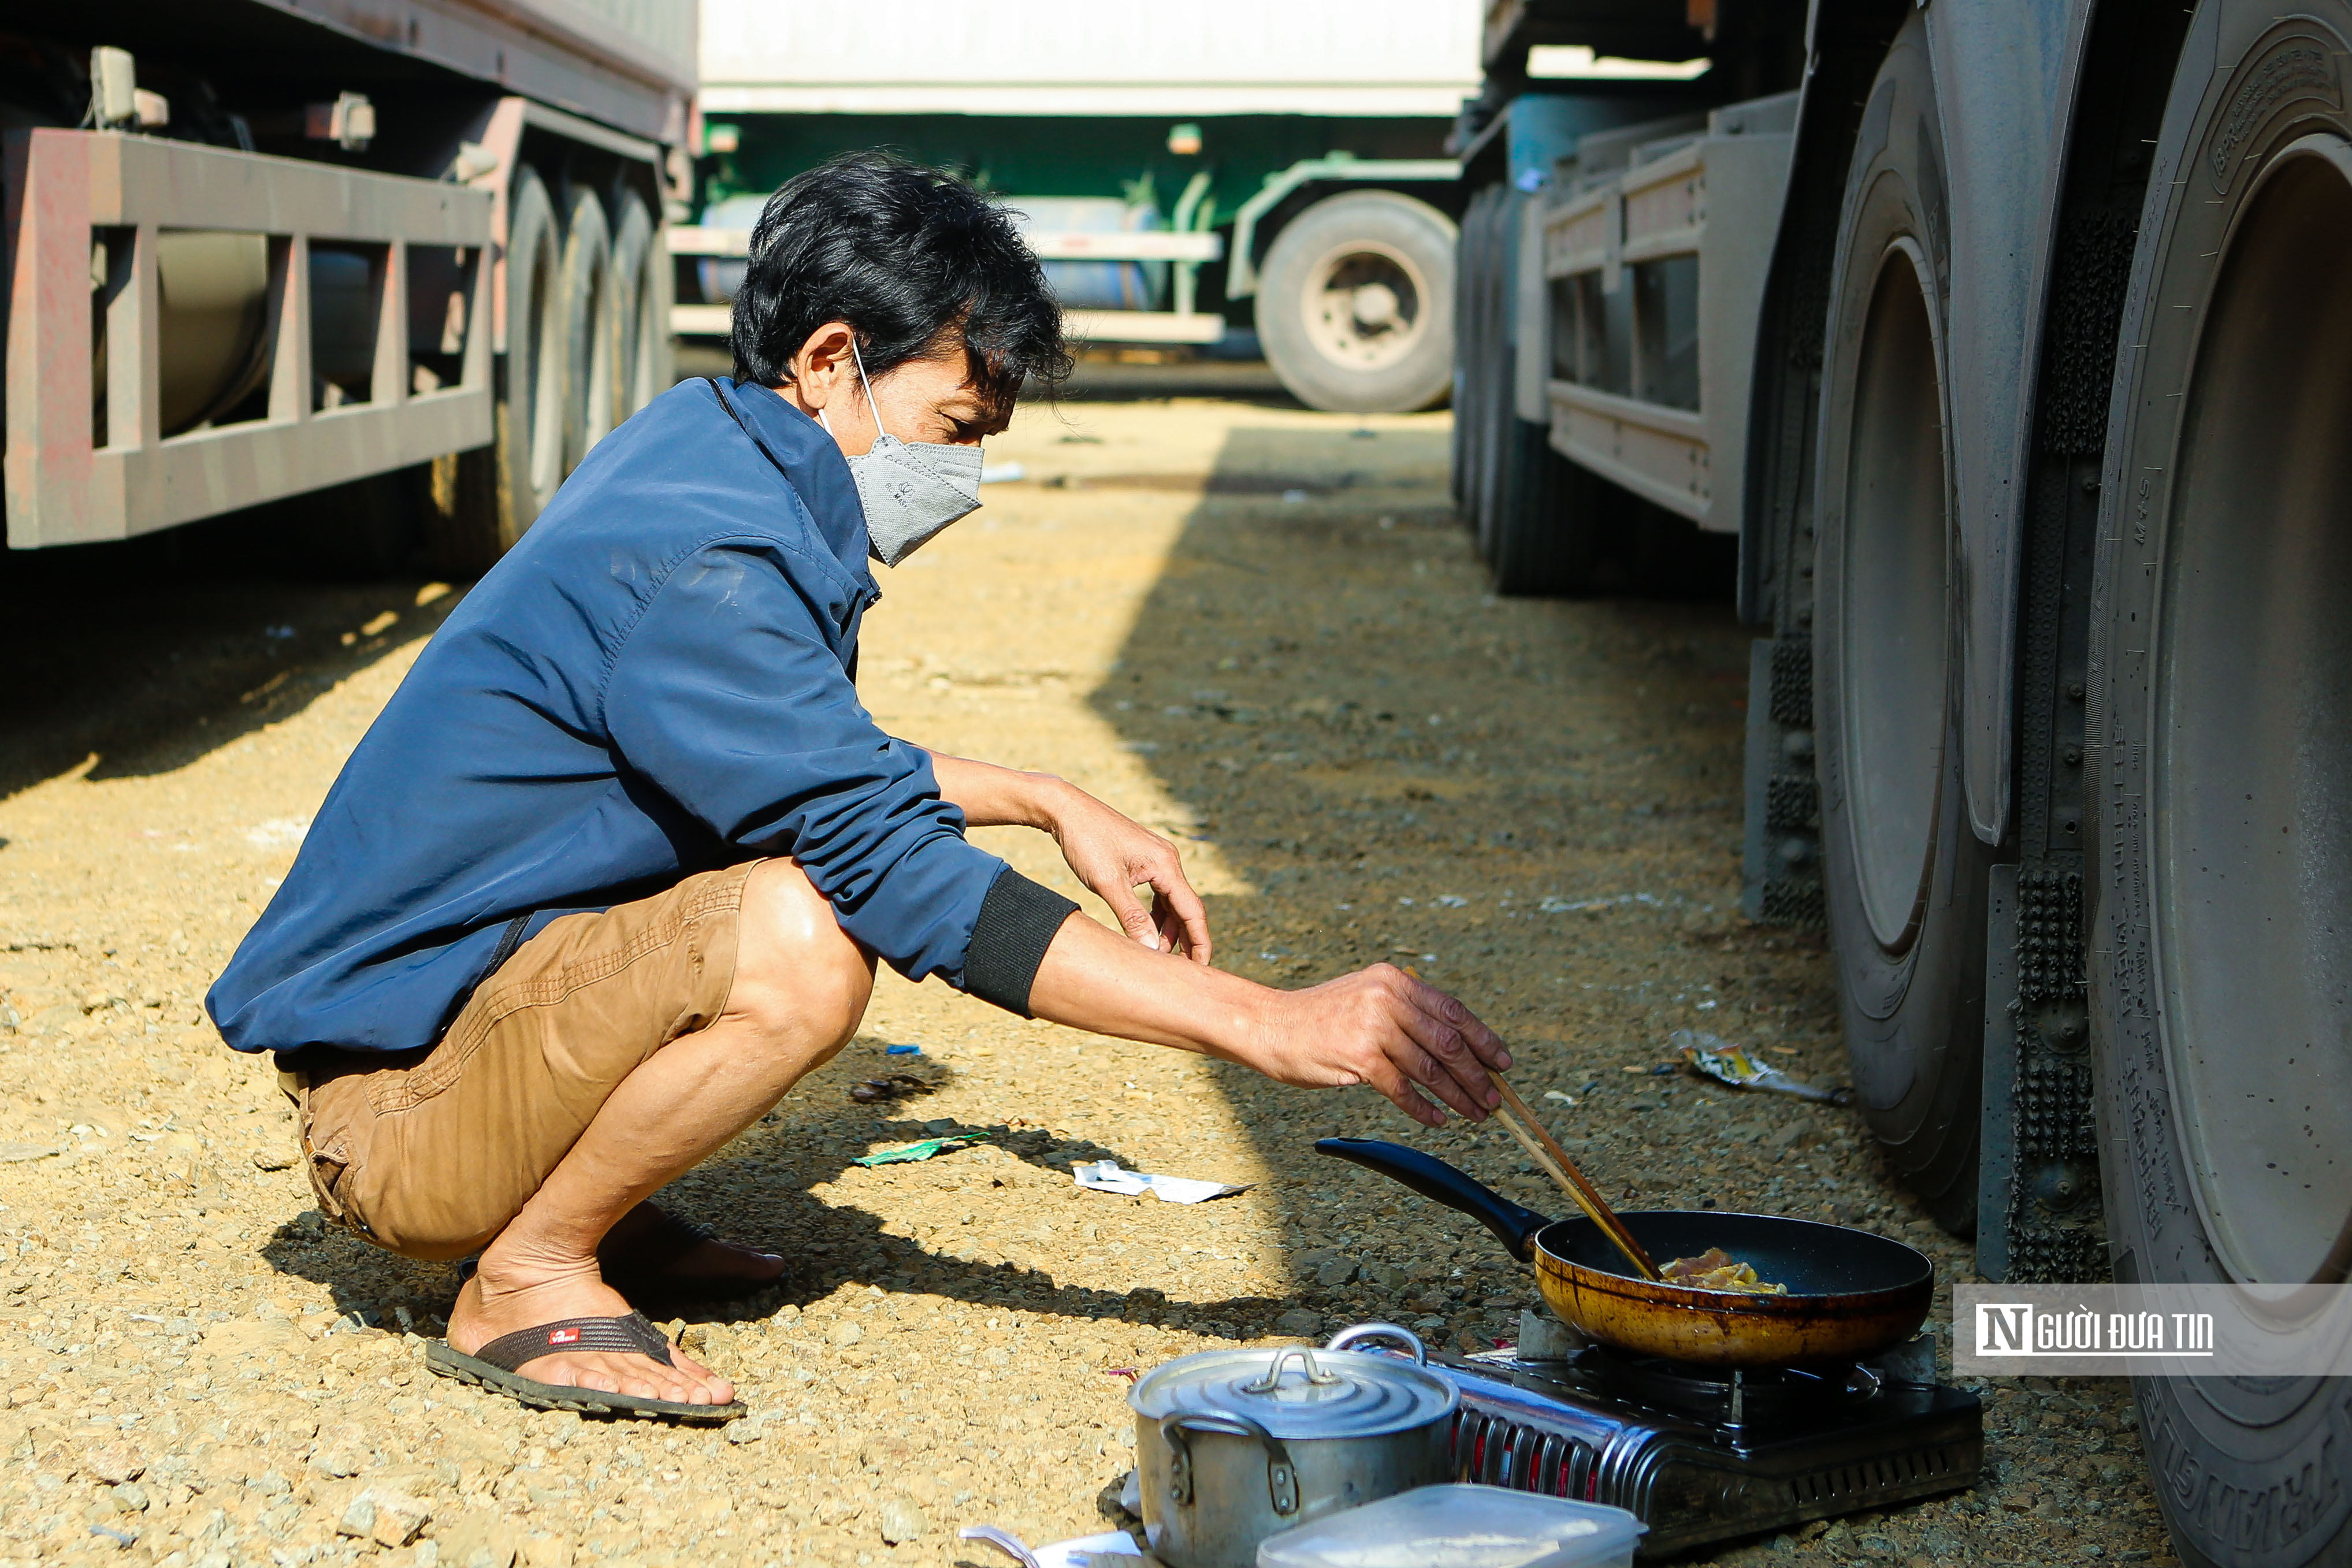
(1461,1527)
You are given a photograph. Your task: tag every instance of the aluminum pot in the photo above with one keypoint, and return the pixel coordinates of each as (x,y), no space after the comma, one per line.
(1232,1446)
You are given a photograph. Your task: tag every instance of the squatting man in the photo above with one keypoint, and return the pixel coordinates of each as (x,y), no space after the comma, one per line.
(612,870)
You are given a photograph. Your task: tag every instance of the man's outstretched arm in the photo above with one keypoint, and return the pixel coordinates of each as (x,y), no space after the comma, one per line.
(1111,853)
(1378,1026)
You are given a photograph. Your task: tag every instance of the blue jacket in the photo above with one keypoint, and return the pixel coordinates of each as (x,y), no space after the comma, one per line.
(657,681)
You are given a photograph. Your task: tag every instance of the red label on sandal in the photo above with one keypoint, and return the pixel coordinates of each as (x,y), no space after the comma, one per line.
(564,1337)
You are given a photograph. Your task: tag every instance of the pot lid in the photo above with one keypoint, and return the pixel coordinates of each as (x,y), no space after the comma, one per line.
(1297,1393)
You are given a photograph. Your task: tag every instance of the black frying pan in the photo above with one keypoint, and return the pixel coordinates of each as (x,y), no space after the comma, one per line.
(1851,1293)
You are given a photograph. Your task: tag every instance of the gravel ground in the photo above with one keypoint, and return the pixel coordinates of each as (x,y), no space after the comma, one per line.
(1257,628)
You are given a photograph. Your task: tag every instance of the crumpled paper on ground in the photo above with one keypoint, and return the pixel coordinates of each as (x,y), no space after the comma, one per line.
(1709,1056)
(1106,1176)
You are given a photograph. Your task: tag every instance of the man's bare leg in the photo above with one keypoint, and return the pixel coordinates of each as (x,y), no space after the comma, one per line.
(799,988)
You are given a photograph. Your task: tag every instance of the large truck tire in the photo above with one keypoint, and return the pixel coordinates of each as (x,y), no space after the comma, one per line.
(1355,304)
(1480,333)
(483,500)
(1547,518)
(1904,874)
(1473,330)
(1459,465)
(640,306)
(1484,255)
(2219,759)
(592,328)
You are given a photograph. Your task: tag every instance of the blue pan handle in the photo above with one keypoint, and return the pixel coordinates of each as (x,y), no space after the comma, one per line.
(1435,1179)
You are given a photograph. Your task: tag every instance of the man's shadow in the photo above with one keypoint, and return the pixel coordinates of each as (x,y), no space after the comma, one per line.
(757,1191)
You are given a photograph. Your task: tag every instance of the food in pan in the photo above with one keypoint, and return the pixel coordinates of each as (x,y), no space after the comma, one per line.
(1715,1269)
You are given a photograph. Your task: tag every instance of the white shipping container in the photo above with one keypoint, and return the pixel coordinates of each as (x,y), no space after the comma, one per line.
(1371,58)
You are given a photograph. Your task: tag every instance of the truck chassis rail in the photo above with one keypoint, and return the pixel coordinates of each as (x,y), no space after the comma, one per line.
(1709,203)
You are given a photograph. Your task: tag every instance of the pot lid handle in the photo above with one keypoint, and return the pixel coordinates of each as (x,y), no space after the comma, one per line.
(1347,1337)
(1273,1378)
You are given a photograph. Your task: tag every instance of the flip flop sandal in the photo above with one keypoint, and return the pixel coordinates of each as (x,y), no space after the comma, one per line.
(493,1367)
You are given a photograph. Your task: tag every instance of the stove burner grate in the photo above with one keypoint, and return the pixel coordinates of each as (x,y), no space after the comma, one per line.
(1735,1399)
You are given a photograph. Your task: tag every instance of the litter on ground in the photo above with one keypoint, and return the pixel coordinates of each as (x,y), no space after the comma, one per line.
(1707,1056)
(1106,1176)
(923,1150)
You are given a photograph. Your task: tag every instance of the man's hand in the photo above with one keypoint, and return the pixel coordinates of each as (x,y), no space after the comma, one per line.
(1378,1026)
(1389,1030)
(1112,854)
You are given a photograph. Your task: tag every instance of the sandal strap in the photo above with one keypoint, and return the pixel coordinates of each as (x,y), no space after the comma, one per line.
(631,1335)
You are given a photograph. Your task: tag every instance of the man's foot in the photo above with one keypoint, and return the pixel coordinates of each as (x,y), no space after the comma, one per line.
(652,1253)
(502,1301)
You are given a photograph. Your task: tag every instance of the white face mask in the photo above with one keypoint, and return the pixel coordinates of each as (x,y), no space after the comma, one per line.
(911,489)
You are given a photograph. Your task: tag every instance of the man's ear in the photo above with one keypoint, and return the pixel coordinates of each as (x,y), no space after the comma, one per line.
(824,371)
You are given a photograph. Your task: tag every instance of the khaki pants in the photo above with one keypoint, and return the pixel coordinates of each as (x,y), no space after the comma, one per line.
(430,1153)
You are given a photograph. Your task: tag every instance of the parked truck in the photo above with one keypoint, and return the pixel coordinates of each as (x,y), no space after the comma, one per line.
(1189,174)
(2013,345)
(258,248)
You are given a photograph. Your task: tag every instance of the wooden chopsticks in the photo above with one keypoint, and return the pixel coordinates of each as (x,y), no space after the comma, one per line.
(1522,1122)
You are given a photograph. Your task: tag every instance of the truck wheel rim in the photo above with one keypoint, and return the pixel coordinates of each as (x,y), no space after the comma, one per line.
(1892,683)
(1365,305)
(2251,790)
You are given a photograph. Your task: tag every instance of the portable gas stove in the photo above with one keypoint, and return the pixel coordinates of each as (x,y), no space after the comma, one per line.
(1700,1454)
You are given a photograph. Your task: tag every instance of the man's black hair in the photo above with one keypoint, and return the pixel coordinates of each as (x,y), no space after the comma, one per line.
(914,260)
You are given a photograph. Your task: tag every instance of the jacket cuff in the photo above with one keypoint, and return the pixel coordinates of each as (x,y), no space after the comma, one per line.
(1016,925)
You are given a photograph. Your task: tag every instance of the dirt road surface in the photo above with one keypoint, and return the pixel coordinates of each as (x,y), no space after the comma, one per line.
(1258,630)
